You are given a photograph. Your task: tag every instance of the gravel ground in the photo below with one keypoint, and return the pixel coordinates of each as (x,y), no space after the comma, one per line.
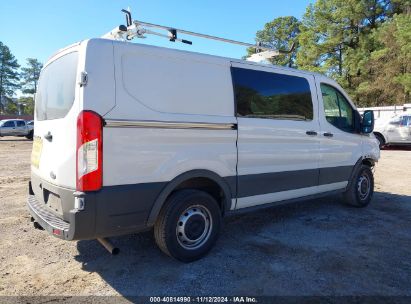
(311,248)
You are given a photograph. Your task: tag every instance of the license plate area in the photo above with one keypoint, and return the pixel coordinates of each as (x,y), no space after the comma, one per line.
(52,201)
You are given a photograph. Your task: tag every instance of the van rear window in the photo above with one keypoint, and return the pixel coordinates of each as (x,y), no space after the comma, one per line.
(56,88)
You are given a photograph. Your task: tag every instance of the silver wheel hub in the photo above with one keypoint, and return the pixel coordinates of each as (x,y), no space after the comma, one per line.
(194,227)
(363,186)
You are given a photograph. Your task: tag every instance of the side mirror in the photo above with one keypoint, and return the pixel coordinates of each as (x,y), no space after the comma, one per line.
(367,124)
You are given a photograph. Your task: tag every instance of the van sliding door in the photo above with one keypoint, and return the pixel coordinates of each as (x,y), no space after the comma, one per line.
(278,145)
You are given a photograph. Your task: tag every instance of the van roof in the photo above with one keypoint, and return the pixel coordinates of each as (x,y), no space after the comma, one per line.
(209,57)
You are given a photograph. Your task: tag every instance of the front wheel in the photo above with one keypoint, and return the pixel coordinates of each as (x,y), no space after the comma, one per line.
(361,189)
(188,225)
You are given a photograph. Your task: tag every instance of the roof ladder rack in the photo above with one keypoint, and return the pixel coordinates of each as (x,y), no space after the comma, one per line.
(139,29)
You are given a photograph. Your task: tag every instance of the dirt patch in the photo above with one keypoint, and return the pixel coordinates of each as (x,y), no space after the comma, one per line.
(309,248)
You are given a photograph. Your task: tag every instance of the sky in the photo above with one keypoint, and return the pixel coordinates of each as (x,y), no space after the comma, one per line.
(38,28)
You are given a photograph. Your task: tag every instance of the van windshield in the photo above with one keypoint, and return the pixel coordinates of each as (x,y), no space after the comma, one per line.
(56,88)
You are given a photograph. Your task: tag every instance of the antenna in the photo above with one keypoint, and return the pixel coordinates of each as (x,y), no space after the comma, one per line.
(139,29)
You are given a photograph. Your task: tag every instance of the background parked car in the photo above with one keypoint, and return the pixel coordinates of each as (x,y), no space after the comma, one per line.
(16,127)
(394,131)
(30,126)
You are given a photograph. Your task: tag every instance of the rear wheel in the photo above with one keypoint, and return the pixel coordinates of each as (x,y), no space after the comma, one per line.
(30,135)
(361,189)
(188,225)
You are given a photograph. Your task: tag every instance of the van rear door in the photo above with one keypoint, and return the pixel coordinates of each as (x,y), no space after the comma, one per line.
(56,110)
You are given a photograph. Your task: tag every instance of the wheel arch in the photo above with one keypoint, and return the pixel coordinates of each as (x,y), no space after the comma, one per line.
(361,161)
(368,162)
(227,186)
(377,133)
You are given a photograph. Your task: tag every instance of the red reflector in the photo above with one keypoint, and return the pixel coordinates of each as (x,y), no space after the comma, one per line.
(57,232)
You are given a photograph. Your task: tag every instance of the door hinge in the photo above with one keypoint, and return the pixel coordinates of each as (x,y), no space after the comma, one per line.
(83,79)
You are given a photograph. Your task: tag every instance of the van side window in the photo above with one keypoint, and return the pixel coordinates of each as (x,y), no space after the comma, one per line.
(270,95)
(338,110)
(20,123)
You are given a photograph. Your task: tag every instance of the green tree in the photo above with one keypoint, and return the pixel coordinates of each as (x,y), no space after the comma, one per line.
(9,76)
(280,34)
(11,107)
(337,39)
(30,75)
(27,104)
(389,67)
(401,6)
(365,45)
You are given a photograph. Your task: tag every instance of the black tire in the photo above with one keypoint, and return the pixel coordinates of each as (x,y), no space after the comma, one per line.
(185,214)
(30,135)
(361,189)
(380,140)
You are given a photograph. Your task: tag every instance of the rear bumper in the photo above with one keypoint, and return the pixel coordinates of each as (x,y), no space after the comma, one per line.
(111,211)
(80,224)
(47,220)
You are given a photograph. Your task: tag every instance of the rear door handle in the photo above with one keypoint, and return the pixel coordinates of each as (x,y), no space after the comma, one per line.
(328,134)
(48,136)
(311,133)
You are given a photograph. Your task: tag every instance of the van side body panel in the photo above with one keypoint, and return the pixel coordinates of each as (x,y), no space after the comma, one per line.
(98,94)
(174,114)
(145,153)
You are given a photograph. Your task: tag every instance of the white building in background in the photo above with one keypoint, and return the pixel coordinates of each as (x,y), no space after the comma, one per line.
(384,113)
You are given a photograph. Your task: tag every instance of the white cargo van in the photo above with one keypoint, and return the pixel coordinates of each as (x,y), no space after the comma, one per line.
(131,137)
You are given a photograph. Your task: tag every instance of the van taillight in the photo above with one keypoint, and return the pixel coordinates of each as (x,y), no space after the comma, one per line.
(89,151)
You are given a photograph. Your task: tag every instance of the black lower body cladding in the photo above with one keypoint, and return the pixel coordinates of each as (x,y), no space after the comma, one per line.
(124,209)
(263,183)
(113,210)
